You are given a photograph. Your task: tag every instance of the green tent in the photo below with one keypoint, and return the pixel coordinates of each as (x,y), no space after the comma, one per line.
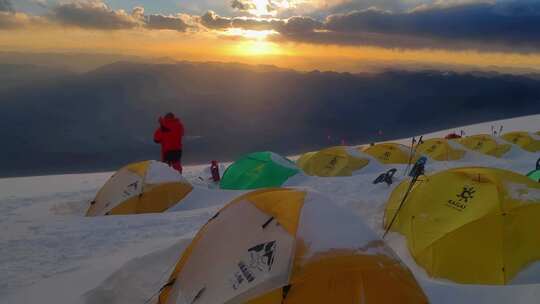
(258,170)
(535,174)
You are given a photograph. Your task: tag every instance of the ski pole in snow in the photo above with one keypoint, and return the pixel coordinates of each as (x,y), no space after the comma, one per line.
(416,171)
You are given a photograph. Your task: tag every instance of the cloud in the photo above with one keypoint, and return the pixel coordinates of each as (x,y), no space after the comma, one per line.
(243,5)
(162,22)
(483,26)
(93,14)
(298,24)
(6,6)
(291,25)
(474,22)
(213,21)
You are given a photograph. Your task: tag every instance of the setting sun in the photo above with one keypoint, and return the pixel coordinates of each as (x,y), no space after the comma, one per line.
(256,48)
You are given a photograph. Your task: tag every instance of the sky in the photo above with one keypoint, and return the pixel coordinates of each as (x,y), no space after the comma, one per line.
(340,35)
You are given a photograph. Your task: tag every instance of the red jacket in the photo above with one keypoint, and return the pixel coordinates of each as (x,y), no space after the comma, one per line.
(169,134)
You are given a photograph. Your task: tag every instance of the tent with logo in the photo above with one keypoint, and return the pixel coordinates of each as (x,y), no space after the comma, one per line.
(284,246)
(440,150)
(258,170)
(143,187)
(470,225)
(334,161)
(527,141)
(485,144)
(389,153)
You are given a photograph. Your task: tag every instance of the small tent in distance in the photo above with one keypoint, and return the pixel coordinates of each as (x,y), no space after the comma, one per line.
(470,225)
(333,161)
(527,141)
(535,174)
(258,170)
(284,246)
(440,150)
(143,187)
(389,153)
(485,144)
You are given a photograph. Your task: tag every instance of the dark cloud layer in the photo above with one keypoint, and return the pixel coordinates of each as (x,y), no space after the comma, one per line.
(6,6)
(477,22)
(162,22)
(513,26)
(97,15)
(93,15)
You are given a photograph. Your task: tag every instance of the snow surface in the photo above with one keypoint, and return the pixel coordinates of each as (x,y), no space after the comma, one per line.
(50,253)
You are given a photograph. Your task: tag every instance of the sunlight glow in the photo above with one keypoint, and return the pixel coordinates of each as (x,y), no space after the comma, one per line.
(256,48)
(261,8)
(249,34)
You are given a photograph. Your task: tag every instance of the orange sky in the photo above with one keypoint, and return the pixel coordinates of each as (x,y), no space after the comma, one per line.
(252,47)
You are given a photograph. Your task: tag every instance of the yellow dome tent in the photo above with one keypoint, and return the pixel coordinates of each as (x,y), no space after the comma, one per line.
(485,144)
(284,246)
(470,225)
(525,140)
(389,153)
(334,161)
(439,149)
(304,158)
(143,187)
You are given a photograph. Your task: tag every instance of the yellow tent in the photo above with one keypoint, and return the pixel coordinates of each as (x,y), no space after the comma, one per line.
(525,140)
(283,246)
(439,149)
(300,162)
(470,225)
(334,161)
(143,187)
(485,144)
(389,153)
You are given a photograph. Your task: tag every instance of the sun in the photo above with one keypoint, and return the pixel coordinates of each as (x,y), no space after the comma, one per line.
(256,48)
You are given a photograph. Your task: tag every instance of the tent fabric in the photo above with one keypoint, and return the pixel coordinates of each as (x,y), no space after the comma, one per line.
(304,158)
(288,246)
(333,161)
(534,175)
(258,170)
(440,150)
(485,144)
(143,187)
(470,225)
(525,140)
(389,153)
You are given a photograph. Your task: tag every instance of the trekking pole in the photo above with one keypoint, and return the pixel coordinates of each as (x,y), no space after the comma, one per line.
(417,170)
(418,143)
(410,156)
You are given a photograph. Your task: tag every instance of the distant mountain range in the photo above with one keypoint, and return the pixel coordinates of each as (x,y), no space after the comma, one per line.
(53,120)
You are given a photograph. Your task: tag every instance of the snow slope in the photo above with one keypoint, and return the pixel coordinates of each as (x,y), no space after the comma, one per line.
(50,253)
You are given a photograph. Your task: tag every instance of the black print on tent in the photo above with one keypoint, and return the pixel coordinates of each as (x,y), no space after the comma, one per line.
(262,256)
(463,198)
